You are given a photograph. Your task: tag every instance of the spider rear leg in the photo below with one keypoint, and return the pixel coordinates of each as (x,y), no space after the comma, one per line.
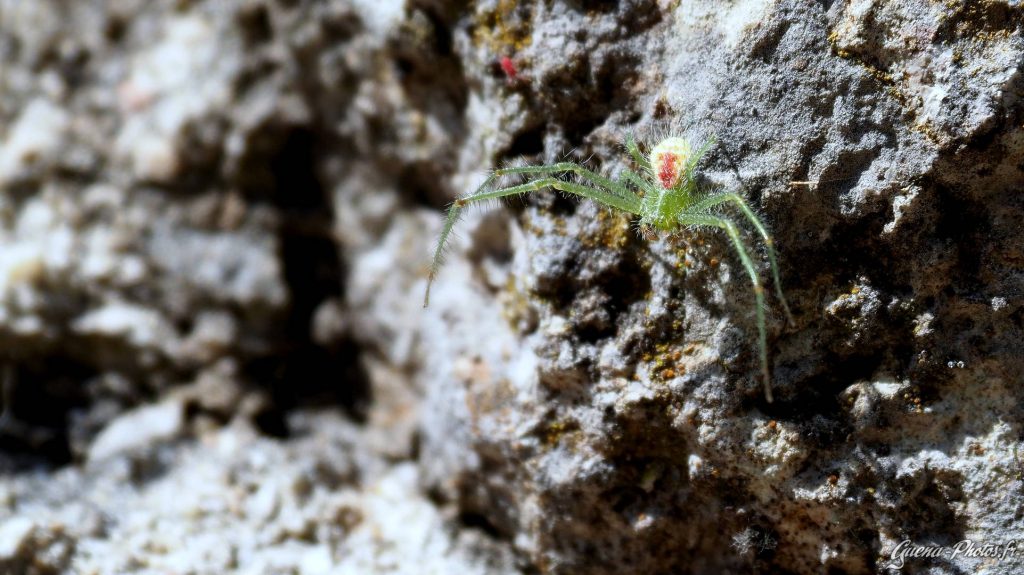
(773,262)
(748,264)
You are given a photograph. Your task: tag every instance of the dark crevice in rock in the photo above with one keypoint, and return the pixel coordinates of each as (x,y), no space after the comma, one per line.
(933,513)
(479,521)
(818,407)
(39,397)
(968,226)
(595,6)
(434,82)
(586,92)
(254,24)
(527,143)
(279,168)
(766,46)
(431,73)
(301,372)
(492,241)
(977,18)
(425,185)
(622,286)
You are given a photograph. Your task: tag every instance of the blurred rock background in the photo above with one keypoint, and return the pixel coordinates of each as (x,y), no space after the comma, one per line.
(216,221)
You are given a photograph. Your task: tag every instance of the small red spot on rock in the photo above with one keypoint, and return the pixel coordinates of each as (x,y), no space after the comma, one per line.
(508,67)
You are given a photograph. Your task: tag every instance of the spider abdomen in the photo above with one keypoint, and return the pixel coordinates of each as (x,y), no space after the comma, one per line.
(671,162)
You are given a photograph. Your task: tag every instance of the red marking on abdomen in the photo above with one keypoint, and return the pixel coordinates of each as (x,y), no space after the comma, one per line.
(667,172)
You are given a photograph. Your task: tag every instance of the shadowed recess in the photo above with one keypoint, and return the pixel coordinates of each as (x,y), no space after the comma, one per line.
(301,372)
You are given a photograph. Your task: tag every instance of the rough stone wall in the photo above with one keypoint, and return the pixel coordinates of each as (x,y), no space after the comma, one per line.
(216,223)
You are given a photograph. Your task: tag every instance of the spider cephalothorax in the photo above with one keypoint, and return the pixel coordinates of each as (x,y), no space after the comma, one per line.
(667,199)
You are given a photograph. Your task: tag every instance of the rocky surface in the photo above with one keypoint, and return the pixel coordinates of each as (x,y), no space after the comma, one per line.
(217,219)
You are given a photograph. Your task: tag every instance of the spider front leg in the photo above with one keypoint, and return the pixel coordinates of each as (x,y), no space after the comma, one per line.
(634,151)
(709,202)
(596,181)
(628,203)
(628,176)
(748,264)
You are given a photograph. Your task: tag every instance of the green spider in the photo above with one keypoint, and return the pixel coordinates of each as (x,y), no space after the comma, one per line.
(669,199)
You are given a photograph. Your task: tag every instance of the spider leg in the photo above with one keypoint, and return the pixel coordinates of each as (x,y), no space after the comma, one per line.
(593,178)
(630,204)
(695,158)
(748,264)
(632,177)
(716,199)
(634,151)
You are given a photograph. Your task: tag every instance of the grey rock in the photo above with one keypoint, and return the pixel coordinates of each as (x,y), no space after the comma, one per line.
(231,206)
(139,429)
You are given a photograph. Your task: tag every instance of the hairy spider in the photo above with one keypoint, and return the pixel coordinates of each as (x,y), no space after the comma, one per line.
(666,200)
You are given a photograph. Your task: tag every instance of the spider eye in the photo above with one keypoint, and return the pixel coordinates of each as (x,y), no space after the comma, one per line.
(668,160)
